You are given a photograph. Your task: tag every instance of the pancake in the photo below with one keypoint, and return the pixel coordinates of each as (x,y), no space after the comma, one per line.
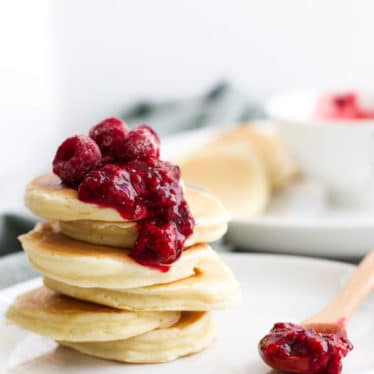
(48,313)
(87,265)
(232,172)
(279,165)
(213,286)
(194,332)
(124,234)
(46,197)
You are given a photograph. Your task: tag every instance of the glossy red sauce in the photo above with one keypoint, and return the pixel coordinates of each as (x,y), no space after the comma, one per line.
(139,185)
(296,349)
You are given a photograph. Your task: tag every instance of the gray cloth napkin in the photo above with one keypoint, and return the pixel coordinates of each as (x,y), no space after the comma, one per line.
(220,105)
(15,268)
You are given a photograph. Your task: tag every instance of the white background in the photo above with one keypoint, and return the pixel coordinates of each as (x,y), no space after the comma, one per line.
(64,65)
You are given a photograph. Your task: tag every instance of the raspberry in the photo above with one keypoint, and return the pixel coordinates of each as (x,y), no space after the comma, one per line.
(115,186)
(110,136)
(157,244)
(343,106)
(74,158)
(346,105)
(142,143)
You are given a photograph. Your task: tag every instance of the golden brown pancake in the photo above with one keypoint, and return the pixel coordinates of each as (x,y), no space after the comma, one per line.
(280,167)
(192,333)
(88,265)
(51,314)
(46,197)
(213,286)
(124,234)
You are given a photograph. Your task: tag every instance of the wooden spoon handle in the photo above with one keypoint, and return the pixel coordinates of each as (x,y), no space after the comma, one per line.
(350,297)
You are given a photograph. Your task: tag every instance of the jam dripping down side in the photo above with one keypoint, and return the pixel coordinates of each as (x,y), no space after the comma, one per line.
(147,191)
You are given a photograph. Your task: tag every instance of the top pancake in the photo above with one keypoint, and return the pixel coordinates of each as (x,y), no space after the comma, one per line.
(48,198)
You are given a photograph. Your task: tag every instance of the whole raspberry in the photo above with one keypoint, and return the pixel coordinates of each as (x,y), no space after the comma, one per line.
(74,158)
(110,136)
(142,143)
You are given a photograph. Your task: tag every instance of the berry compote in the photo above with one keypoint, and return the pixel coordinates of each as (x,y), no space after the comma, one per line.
(140,186)
(295,349)
(343,106)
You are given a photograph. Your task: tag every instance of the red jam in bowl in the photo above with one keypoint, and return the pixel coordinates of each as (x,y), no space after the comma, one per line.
(134,181)
(342,107)
(296,349)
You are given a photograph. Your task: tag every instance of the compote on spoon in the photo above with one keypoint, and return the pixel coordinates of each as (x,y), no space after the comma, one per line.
(319,343)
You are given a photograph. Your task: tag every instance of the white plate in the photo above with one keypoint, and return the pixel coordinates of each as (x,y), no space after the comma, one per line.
(299,220)
(275,288)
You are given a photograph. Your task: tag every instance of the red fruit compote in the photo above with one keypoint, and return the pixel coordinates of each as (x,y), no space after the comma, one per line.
(121,169)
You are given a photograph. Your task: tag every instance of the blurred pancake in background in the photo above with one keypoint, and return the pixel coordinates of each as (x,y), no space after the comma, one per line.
(242,167)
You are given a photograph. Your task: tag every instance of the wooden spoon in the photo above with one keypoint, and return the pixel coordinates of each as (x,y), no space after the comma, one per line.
(298,349)
(333,317)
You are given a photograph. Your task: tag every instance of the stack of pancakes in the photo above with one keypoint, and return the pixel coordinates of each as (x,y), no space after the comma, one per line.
(98,300)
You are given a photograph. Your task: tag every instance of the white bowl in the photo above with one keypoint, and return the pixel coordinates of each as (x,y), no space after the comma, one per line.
(339,153)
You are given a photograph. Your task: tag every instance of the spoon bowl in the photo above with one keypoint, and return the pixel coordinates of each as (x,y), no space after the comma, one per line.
(319,343)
